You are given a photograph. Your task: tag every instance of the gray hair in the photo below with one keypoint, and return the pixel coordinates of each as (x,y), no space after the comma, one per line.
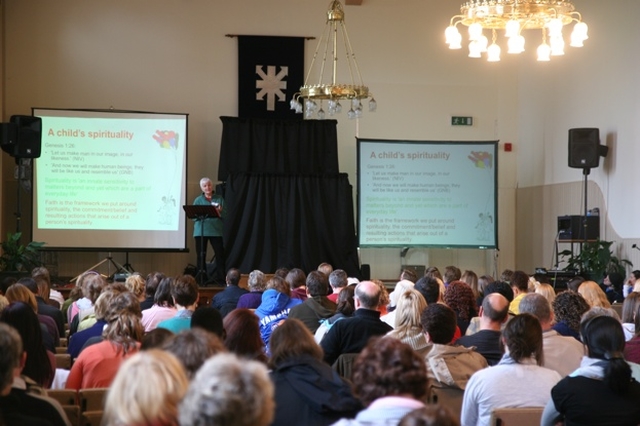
(229,392)
(536,305)
(205,179)
(338,278)
(256,281)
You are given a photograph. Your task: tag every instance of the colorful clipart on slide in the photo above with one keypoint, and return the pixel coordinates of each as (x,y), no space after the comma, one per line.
(481,159)
(168,139)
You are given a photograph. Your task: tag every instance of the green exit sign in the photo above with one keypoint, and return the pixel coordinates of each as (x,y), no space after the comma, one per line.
(462,121)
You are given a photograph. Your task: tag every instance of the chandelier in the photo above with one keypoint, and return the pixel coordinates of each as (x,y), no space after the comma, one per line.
(514,16)
(326,87)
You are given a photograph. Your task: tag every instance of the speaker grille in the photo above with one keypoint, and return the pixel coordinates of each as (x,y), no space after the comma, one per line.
(584,151)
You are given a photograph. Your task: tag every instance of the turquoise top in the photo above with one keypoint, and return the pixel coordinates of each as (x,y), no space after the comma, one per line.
(213,226)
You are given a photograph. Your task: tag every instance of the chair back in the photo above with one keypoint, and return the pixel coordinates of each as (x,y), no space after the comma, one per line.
(63,361)
(526,416)
(448,397)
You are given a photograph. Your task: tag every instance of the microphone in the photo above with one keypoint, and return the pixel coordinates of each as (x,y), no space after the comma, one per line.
(635,247)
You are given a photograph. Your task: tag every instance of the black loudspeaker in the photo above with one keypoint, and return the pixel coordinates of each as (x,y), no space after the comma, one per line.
(572,228)
(584,148)
(8,137)
(28,136)
(365,272)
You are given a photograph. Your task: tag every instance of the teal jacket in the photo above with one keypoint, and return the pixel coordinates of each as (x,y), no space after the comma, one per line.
(212,227)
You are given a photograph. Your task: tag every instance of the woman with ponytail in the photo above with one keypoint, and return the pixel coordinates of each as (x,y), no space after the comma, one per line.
(601,391)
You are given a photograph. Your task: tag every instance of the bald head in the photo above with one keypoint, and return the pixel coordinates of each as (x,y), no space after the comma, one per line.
(368,295)
(495,307)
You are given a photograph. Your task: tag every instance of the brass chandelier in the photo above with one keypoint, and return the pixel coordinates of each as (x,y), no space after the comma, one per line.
(514,16)
(326,86)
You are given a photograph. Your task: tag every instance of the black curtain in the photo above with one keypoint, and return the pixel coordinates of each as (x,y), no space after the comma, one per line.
(290,220)
(278,146)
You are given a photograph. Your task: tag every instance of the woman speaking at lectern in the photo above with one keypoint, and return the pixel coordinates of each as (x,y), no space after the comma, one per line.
(211,230)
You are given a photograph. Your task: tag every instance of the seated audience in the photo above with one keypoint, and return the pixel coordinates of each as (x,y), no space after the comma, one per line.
(430,415)
(547,291)
(146,391)
(43,307)
(519,282)
(135,283)
(451,274)
(629,309)
(325,268)
(184,292)
(518,380)
(307,391)
(345,309)
(500,287)
(163,307)
(352,334)
(471,279)
(151,285)
(632,347)
(460,298)
(297,280)
(275,307)
(243,338)
(92,285)
(398,290)
(256,285)
(42,278)
(429,287)
(337,281)
(483,282)
(384,297)
(22,402)
(574,283)
(229,391)
(98,364)
(494,312)
(40,364)
(448,366)
(50,337)
(390,380)
(317,306)
(593,294)
(155,339)
(568,308)
(193,347)
(408,328)
(227,300)
(209,319)
(613,283)
(601,391)
(561,353)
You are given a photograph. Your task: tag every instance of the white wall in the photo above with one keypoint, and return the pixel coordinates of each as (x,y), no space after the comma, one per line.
(172,55)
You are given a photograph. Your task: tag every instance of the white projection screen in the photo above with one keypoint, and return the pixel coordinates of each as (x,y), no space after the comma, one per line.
(110,180)
(427,194)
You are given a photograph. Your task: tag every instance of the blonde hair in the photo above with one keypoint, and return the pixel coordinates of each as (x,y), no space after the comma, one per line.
(147,390)
(4,302)
(410,305)
(135,284)
(20,293)
(593,294)
(547,291)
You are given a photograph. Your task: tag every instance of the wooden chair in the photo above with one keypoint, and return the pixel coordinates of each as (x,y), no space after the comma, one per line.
(63,361)
(526,416)
(448,397)
(61,350)
(92,405)
(68,399)
(64,342)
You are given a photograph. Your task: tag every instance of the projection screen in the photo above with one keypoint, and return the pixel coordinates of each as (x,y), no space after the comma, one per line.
(110,180)
(427,194)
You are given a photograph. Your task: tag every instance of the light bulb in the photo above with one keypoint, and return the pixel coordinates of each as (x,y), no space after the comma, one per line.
(373,105)
(338,107)
(582,29)
(321,114)
(512,28)
(482,44)
(451,34)
(557,46)
(474,49)
(544,52)
(475,31)
(555,27)
(493,53)
(351,114)
(516,44)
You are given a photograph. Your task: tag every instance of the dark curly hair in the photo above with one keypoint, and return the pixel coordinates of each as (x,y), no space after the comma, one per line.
(460,298)
(568,308)
(388,367)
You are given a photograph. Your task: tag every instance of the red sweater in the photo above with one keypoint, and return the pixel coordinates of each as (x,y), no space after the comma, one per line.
(96,366)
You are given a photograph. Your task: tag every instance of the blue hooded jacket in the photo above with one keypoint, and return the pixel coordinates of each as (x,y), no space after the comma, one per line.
(274,308)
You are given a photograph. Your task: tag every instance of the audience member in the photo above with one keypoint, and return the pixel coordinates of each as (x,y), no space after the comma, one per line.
(574,283)
(407,327)
(352,334)
(601,391)
(629,309)
(471,278)
(561,353)
(227,300)
(146,391)
(494,313)
(483,282)
(50,337)
(429,287)
(632,347)
(228,391)
(243,335)
(209,319)
(317,306)
(430,415)
(567,310)
(384,297)
(345,309)
(4,302)
(593,294)
(40,364)
(451,274)
(520,285)
(43,307)
(275,307)
(432,271)
(501,288)
(43,279)
(281,272)
(630,285)
(518,380)
(22,402)
(337,281)
(408,274)
(92,285)
(547,291)
(163,307)
(184,292)
(256,285)
(447,366)
(307,391)
(460,298)
(613,283)
(390,380)
(297,280)
(155,339)
(325,268)
(506,276)
(151,285)
(400,287)
(135,283)
(102,308)
(193,347)
(98,364)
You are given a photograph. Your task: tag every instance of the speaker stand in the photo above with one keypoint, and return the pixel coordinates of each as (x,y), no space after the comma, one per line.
(585,172)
